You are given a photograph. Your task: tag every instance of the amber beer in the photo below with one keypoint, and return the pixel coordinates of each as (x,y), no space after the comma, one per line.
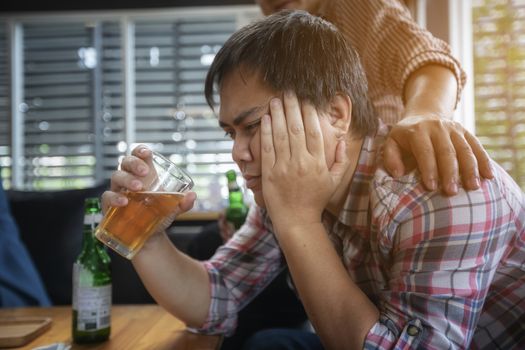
(125,229)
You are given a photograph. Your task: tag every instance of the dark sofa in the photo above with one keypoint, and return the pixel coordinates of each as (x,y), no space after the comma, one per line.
(50,225)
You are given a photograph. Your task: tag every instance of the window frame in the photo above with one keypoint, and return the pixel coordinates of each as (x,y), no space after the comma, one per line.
(460,29)
(127,19)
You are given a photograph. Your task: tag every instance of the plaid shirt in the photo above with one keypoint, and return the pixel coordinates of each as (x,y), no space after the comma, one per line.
(444,272)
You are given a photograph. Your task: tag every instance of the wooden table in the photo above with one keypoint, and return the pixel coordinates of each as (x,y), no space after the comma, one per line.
(132,327)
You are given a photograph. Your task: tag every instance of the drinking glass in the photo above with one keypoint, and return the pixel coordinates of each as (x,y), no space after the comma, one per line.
(125,229)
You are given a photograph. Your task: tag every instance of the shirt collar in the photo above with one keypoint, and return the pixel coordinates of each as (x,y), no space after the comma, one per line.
(356,208)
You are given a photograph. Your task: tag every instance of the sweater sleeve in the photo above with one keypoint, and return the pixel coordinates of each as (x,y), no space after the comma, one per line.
(391,45)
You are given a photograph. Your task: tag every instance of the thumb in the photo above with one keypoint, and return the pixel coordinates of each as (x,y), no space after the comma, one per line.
(340,165)
(185,205)
(393,158)
(399,135)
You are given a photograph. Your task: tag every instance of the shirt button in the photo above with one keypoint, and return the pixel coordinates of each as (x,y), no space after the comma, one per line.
(412,331)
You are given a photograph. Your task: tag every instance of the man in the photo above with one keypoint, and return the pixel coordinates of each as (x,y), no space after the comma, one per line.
(378,262)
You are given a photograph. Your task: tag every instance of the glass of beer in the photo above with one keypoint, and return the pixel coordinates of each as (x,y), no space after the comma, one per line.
(125,229)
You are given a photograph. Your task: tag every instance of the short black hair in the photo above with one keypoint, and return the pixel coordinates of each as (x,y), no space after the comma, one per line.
(293,50)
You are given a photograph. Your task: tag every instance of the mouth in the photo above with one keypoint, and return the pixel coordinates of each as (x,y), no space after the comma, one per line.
(252,182)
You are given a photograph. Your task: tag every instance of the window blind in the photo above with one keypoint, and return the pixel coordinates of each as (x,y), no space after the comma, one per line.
(499,81)
(5,124)
(74,127)
(172,59)
(58,108)
(111,111)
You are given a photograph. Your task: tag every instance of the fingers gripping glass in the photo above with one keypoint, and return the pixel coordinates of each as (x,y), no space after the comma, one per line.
(125,229)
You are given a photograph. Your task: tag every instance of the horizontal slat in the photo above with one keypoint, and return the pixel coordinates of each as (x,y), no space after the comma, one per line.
(57,79)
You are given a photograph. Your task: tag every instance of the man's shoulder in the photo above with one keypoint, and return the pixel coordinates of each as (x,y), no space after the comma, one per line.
(504,188)
(397,198)
(388,192)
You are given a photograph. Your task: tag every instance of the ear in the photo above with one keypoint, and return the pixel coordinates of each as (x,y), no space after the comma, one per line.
(340,112)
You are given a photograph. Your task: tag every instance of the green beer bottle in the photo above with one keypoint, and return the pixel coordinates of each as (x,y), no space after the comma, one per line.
(237,210)
(91,283)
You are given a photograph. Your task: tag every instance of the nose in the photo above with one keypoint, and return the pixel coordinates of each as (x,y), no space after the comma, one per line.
(241,150)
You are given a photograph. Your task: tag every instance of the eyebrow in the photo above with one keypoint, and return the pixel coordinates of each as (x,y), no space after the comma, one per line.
(243,115)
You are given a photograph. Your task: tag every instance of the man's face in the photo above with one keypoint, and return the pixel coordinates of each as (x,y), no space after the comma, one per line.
(271,6)
(244,100)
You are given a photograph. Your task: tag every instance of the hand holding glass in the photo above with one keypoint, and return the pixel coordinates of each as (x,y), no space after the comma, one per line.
(125,229)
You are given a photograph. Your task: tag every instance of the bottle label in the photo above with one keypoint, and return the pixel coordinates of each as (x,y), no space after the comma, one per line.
(92,219)
(93,304)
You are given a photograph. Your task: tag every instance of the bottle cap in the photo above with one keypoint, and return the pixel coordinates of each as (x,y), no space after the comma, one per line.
(231,175)
(92,205)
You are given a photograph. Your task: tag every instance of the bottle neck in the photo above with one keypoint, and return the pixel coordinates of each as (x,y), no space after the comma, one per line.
(91,221)
(233,187)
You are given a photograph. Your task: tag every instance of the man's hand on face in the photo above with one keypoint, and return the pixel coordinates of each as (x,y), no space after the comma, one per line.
(297,183)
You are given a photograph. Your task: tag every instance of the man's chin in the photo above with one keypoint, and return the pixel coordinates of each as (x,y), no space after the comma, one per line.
(259,199)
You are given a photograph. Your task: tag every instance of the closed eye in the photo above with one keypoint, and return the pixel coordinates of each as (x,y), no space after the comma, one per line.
(253,125)
(249,128)
(230,134)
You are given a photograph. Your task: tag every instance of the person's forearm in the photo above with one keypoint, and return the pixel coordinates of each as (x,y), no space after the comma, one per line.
(431,90)
(177,282)
(340,312)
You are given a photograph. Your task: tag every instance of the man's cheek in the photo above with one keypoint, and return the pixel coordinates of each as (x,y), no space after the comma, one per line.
(255,144)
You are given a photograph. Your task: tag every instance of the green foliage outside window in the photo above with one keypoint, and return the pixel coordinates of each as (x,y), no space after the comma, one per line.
(499,81)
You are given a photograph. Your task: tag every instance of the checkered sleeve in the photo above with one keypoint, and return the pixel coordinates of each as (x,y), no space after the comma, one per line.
(442,253)
(239,270)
